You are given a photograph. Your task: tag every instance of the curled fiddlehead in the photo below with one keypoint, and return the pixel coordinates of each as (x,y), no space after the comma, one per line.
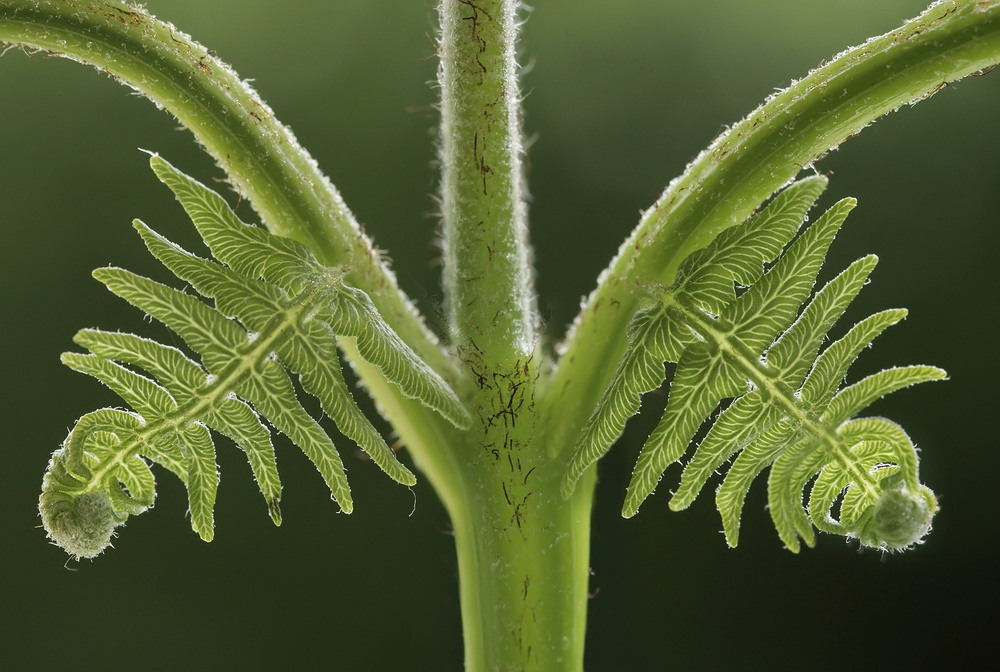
(276,310)
(787,409)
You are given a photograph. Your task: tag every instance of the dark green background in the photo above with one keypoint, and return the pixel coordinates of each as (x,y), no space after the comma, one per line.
(621,95)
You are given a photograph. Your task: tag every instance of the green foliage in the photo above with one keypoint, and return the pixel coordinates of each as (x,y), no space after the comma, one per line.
(276,308)
(787,410)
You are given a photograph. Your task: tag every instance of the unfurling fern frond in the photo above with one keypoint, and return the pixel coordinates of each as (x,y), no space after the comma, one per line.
(276,310)
(788,411)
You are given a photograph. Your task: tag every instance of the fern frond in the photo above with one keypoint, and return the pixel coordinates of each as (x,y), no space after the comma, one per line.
(253,252)
(655,335)
(276,311)
(758,348)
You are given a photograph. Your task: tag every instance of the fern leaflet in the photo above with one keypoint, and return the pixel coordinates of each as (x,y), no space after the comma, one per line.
(276,310)
(786,410)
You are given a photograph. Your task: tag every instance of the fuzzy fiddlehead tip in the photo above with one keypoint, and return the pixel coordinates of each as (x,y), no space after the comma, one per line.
(81,525)
(900,519)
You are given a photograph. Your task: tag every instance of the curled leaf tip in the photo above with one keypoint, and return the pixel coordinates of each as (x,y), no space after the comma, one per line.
(81,525)
(900,519)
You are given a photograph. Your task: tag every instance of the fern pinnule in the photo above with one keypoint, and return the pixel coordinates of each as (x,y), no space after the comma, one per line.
(758,348)
(276,310)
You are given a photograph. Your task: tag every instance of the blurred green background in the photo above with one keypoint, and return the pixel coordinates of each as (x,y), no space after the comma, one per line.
(620,96)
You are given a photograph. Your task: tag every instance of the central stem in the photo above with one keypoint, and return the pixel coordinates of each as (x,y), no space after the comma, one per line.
(522,549)
(486,271)
(523,560)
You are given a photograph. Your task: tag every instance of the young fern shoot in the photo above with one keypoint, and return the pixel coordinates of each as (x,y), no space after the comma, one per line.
(756,349)
(709,280)
(276,308)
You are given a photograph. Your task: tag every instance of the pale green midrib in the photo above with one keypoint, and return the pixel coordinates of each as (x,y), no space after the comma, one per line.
(663,240)
(205,398)
(284,185)
(766,378)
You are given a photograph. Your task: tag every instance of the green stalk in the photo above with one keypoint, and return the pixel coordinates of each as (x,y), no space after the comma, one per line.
(522,551)
(486,272)
(748,163)
(523,560)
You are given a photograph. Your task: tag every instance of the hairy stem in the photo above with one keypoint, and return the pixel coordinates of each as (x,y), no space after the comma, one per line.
(748,163)
(522,550)
(486,272)
(524,556)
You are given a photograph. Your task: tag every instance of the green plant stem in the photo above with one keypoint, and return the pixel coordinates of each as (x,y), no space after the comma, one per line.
(748,163)
(523,556)
(522,551)
(486,273)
